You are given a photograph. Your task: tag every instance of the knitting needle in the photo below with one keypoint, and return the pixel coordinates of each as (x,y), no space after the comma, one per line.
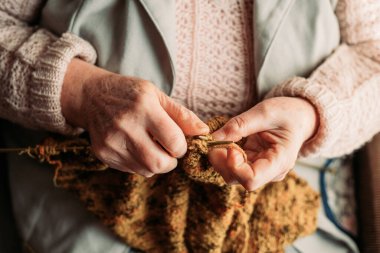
(11,150)
(18,150)
(212,143)
(215,143)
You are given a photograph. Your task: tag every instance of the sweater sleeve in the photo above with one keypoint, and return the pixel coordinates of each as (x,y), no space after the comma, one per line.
(345,89)
(33,63)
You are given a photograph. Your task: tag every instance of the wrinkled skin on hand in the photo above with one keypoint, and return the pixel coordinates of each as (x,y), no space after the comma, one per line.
(275,130)
(133,126)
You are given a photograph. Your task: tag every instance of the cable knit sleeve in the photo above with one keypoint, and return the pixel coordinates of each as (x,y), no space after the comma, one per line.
(345,89)
(33,63)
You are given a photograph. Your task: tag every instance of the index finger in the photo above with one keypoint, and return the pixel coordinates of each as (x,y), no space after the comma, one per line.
(243,125)
(189,123)
(239,168)
(167,133)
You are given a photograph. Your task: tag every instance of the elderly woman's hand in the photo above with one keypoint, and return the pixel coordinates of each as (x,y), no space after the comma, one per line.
(133,126)
(275,129)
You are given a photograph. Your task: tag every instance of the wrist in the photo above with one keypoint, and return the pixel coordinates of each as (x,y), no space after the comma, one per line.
(77,74)
(311,118)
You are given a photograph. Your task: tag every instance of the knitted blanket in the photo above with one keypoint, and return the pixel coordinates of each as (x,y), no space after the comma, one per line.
(191,209)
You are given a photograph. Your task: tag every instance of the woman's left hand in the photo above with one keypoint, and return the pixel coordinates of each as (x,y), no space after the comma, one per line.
(275,129)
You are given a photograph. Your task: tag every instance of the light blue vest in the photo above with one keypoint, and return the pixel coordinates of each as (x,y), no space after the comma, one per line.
(138,37)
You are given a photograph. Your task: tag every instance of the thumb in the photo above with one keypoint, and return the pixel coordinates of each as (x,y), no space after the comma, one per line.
(185,118)
(241,126)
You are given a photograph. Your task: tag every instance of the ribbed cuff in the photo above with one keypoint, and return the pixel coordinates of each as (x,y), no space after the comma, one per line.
(47,80)
(327,106)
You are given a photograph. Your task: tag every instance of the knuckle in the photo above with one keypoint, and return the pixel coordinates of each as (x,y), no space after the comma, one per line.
(123,125)
(152,108)
(149,92)
(143,101)
(108,140)
(250,185)
(183,113)
(118,122)
(166,164)
(176,146)
(101,152)
(160,165)
(239,121)
(233,169)
(153,164)
(266,109)
(154,170)
(146,85)
(144,96)
(114,140)
(144,156)
(178,153)
(159,120)
(236,125)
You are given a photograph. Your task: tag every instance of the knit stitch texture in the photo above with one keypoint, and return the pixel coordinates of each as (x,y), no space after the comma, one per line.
(33,63)
(192,209)
(214,57)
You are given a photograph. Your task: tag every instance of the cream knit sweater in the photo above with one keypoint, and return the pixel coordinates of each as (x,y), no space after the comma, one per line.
(345,89)
(214,72)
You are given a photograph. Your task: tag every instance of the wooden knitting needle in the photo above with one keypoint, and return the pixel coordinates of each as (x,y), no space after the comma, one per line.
(18,150)
(11,150)
(213,143)
(216,143)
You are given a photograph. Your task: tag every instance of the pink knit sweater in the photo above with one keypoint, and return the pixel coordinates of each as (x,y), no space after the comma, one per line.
(345,89)
(214,56)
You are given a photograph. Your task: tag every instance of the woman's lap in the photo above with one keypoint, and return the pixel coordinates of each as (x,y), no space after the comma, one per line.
(50,219)
(53,220)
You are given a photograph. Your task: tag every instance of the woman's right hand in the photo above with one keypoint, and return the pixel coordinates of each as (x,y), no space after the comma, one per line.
(133,126)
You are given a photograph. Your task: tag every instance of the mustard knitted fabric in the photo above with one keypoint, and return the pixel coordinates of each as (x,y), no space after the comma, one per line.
(191,209)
